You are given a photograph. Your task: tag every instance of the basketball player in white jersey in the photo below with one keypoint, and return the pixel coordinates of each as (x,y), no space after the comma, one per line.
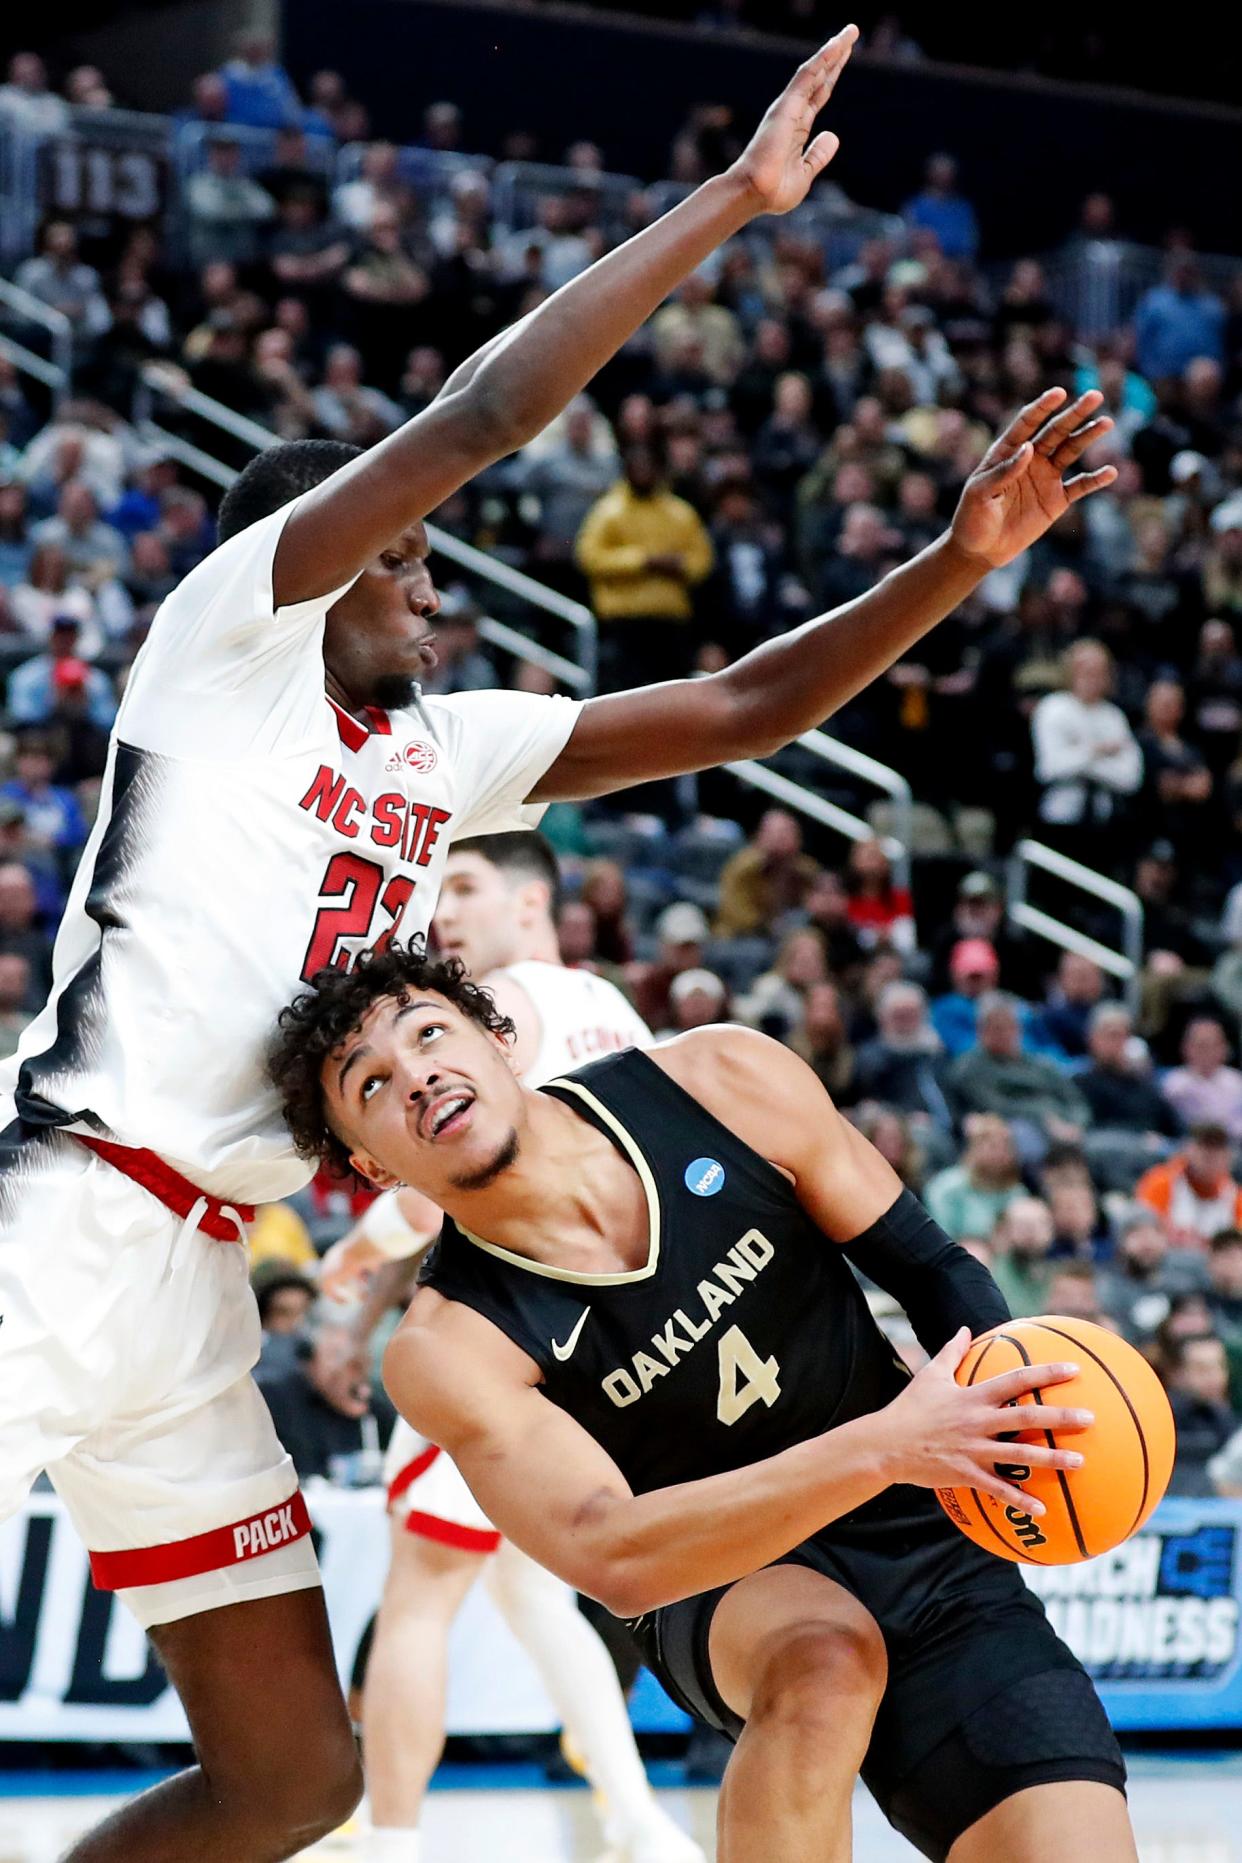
(497,913)
(278,797)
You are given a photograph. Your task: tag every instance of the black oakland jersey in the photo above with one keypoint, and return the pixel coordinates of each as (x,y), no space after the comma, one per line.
(744,1332)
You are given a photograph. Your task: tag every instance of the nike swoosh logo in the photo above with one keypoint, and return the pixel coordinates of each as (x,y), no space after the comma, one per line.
(566,1351)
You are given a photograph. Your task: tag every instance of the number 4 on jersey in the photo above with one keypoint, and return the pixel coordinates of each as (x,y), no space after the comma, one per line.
(758,1377)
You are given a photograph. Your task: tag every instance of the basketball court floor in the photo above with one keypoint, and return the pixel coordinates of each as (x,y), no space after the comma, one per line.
(1186,1811)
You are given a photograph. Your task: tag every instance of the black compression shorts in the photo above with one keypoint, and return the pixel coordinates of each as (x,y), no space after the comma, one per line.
(983,1698)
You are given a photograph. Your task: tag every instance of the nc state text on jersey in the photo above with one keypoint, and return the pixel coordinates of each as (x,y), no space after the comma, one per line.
(390,820)
(747,1258)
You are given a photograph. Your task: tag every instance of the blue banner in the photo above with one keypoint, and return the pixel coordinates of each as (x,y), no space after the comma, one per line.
(1156,1621)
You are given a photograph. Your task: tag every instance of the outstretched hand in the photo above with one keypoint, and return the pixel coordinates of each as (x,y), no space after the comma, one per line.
(1018,490)
(942,1434)
(780,161)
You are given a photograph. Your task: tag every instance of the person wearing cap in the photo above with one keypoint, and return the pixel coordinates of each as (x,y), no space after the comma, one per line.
(768,877)
(1194,1193)
(1205,1087)
(979,912)
(682,930)
(695,998)
(974,968)
(33,686)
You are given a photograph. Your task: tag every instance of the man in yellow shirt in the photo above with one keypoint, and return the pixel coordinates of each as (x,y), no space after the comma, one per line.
(643,550)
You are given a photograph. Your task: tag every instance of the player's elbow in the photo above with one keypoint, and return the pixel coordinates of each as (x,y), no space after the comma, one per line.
(500,421)
(490,427)
(623,1587)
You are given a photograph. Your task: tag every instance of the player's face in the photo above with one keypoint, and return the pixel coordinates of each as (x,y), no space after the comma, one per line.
(475,918)
(377,639)
(423,1095)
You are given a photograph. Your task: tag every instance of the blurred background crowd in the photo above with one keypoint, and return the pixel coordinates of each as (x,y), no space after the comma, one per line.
(794,422)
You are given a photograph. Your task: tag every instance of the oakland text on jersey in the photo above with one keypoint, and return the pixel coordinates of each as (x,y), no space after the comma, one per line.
(395,821)
(679,1335)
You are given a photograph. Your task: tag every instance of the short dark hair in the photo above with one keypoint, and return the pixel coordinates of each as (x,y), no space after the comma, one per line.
(1225,1238)
(318,1020)
(527,853)
(276,476)
(274,1276)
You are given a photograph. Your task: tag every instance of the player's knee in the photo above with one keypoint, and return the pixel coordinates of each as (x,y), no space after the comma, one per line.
(818,1678)
(313,1793)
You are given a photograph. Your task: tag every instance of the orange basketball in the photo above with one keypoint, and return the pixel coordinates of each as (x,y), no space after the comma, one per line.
(1128,1450)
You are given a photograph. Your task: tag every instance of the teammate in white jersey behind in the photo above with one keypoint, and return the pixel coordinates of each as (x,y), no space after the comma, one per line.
(497,913)
(277,798)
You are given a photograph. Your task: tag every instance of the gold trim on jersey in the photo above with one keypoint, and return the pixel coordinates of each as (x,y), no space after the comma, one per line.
(631,1148)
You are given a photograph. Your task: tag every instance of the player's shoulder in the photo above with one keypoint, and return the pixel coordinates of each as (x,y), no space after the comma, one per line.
(724,1062)
(443,1355)
(487,708)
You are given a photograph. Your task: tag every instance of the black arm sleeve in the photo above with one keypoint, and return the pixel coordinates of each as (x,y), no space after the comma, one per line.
(940,1286)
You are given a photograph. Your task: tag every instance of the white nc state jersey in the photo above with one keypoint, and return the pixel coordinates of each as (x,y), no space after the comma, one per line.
(249,833)
(581,1016)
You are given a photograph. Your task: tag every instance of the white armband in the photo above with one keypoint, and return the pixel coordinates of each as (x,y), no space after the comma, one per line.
(386,1228)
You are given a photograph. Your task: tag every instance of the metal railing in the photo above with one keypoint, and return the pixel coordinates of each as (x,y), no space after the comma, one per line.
(1124,962)
(58,374)
(830,814)
(159,379)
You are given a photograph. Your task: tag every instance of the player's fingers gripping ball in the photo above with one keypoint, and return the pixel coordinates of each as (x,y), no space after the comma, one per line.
(1127,1451)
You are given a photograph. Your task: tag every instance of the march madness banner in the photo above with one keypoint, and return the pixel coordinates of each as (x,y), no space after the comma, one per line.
(1156,1623)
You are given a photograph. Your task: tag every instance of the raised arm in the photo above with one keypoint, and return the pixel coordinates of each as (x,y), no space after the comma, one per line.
(787,686)
(522,381)
(558,1495)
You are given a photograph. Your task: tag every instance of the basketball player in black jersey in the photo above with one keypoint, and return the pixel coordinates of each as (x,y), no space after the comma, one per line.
(642,1343)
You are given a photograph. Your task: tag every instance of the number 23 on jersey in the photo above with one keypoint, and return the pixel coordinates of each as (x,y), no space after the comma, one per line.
(354,903)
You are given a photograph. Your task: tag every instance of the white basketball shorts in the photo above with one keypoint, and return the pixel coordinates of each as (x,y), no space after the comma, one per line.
(428,1494)
(127,1336)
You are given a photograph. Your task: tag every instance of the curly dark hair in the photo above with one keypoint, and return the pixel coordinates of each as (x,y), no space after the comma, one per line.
(318,1021)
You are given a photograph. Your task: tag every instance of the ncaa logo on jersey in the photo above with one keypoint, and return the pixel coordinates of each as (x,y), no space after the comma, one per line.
(705,1177)
(421,758)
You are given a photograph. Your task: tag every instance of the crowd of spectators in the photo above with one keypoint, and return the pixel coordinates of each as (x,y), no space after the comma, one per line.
(788,426)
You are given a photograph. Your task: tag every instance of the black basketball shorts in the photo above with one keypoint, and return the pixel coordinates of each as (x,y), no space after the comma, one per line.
(983,1698)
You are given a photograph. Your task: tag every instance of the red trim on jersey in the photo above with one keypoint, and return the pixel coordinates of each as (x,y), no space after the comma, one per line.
(449,1533)
(240,1541)
(352,734)
(411,1472)
(381,723)
(175,1192)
